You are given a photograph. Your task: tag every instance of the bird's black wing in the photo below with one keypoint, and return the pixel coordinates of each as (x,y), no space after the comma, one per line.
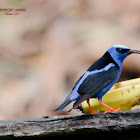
(94,84)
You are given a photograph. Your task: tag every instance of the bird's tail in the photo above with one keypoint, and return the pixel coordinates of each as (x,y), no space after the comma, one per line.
(66,102)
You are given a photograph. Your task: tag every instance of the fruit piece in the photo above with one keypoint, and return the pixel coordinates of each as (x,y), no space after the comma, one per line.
(124,94)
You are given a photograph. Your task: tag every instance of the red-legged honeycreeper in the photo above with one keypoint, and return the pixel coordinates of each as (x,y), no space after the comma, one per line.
(99,78)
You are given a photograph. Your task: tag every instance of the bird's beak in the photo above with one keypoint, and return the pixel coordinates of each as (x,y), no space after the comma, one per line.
(134,51)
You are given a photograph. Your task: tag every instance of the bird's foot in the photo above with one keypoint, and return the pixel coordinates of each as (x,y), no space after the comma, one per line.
(112,110)
(91,110)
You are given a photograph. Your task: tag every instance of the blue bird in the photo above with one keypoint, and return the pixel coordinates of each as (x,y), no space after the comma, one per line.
(99,78)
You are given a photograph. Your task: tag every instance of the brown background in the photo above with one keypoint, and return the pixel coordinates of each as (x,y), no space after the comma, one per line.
(44,50)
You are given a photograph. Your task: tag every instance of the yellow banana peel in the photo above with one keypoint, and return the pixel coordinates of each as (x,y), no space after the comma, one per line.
(124,94)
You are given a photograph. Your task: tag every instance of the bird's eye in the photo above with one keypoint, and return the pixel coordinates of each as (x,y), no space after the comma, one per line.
(119,50)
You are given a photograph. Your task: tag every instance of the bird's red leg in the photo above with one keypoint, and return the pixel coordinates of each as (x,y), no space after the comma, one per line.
(91,110)
(110,108)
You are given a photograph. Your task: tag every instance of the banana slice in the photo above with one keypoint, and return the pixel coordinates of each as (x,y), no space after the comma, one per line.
(124,94)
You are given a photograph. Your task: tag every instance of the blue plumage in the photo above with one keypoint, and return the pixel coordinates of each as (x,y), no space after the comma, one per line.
(99,77)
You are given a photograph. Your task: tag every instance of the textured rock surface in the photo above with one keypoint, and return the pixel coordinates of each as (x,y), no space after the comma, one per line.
(123,123)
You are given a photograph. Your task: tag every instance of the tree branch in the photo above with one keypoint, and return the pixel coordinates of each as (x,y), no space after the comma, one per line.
(70,125)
